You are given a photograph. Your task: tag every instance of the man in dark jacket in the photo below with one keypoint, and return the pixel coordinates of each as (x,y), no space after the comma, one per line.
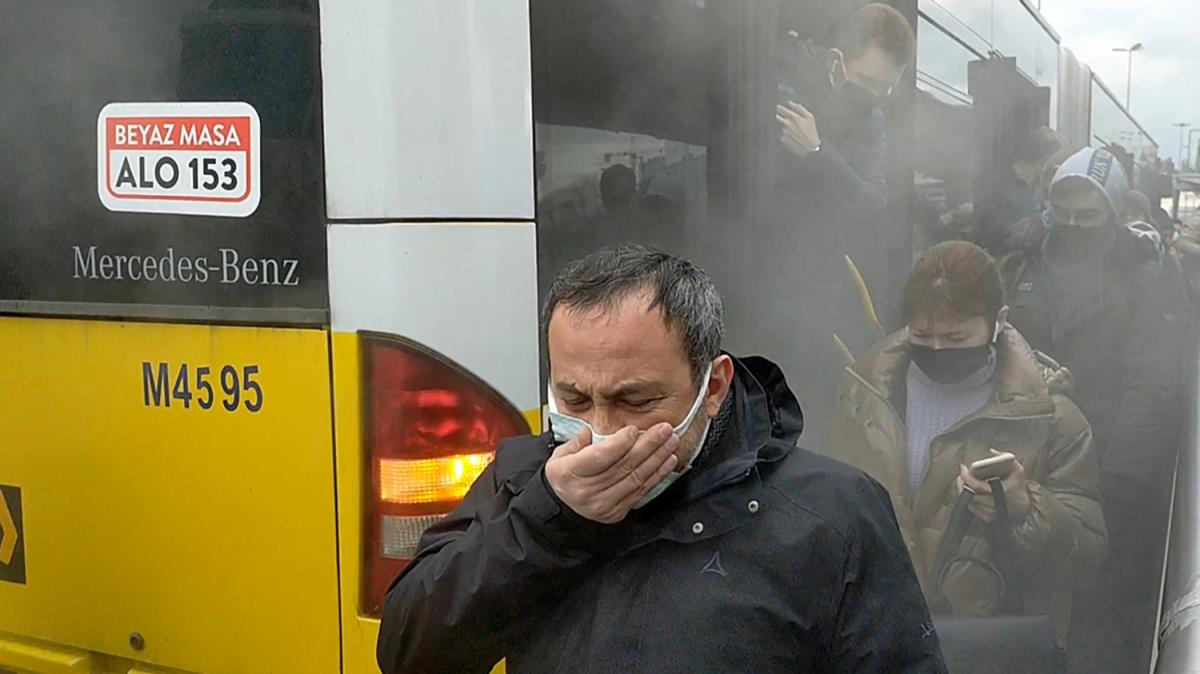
(1095,297)
(829,201)
(829,108)
(627,540)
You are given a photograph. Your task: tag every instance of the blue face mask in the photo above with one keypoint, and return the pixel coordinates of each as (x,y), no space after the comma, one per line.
(567,427)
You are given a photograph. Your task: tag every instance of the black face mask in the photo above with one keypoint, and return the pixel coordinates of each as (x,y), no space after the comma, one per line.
(857,101)
(1082,242)
(950,366)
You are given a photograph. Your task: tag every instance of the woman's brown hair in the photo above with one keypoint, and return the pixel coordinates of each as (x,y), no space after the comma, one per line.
(955,280)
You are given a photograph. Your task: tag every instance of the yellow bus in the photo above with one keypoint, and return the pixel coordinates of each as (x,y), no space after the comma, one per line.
(270,296)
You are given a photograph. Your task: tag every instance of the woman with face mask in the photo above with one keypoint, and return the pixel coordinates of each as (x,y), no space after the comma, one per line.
(956,386)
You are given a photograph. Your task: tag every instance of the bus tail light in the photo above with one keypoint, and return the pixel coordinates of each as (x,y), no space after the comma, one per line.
(431,428)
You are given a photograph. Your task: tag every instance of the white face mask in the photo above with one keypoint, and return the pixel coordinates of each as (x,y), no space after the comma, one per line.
(567,427)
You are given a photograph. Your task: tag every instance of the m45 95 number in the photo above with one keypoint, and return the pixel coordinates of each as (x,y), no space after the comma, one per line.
(224,387)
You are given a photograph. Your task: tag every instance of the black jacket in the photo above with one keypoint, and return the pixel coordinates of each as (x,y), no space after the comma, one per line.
(848,174)
(763,558)
(1125,352)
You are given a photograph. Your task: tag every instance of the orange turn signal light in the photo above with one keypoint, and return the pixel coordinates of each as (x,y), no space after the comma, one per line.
(440,480)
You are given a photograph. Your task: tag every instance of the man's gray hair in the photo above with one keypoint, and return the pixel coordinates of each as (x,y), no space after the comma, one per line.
(683,293)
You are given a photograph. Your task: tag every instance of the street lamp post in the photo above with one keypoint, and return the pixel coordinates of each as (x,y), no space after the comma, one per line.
(1187,160)
(1182,126)
(1129,74)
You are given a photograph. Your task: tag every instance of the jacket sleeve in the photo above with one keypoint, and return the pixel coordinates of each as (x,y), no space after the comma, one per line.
(848,443)
(830,174)
(479,576)
(882,623)
(1134,461)
(1064,533)
(865,189)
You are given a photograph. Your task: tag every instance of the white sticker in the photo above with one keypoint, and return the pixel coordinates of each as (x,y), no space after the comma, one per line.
(188,158)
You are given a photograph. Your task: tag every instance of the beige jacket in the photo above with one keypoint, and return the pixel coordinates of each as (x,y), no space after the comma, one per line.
(1062,541)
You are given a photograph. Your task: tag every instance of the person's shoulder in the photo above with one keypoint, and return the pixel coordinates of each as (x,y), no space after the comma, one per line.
(834,493)
(1069,420)
(522,456)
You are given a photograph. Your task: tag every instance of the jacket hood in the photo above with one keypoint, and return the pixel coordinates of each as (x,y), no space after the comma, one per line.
(761,377)
(1100,169)
(768,426)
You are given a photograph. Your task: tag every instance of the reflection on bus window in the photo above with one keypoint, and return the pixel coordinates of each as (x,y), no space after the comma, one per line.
(604,187)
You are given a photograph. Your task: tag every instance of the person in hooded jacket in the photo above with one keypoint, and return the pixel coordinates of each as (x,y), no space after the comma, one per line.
(1138,215)
(1095,296)
(957,385)
(667,522)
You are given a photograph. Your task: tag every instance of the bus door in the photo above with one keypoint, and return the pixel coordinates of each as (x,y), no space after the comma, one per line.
(167,472)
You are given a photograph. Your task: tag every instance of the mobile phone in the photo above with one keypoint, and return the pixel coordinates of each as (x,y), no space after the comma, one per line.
(993,467)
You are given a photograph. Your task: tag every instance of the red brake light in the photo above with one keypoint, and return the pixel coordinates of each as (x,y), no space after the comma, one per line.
(431,428)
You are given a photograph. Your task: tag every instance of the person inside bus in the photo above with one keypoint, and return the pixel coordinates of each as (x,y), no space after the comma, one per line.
(957,385)
(667,522)
(835,135)
(1096,298)
(828,197)
(1027,234)
(1137,208)
(1026,198)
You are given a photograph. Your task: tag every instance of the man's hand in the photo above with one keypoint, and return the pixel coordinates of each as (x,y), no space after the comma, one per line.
(1016,494)
(800,136)
(603,482)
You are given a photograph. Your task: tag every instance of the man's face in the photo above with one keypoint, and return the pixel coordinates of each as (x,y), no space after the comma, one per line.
(623,367)
(1078,205)
(874,70)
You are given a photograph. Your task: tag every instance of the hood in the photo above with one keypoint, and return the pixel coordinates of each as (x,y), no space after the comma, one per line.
(761,377)
(769,424)
(1100,169)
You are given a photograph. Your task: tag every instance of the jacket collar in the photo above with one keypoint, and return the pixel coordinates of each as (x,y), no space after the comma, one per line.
(1021,395)
(1020,380)
(766,424)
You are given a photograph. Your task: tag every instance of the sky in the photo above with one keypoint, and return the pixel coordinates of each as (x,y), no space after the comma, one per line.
(1163,93)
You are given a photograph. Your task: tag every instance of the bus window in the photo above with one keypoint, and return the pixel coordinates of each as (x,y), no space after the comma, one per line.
(65,253)
(622,116)
(943,128)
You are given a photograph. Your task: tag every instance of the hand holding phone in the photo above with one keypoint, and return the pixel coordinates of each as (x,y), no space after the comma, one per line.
(1000,466)
(997,466)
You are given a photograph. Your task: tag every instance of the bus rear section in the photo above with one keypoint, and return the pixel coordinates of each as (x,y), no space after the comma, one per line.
(251,306)
(166,393)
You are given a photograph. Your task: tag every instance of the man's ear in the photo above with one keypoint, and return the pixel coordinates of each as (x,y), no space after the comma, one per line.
(720,383)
